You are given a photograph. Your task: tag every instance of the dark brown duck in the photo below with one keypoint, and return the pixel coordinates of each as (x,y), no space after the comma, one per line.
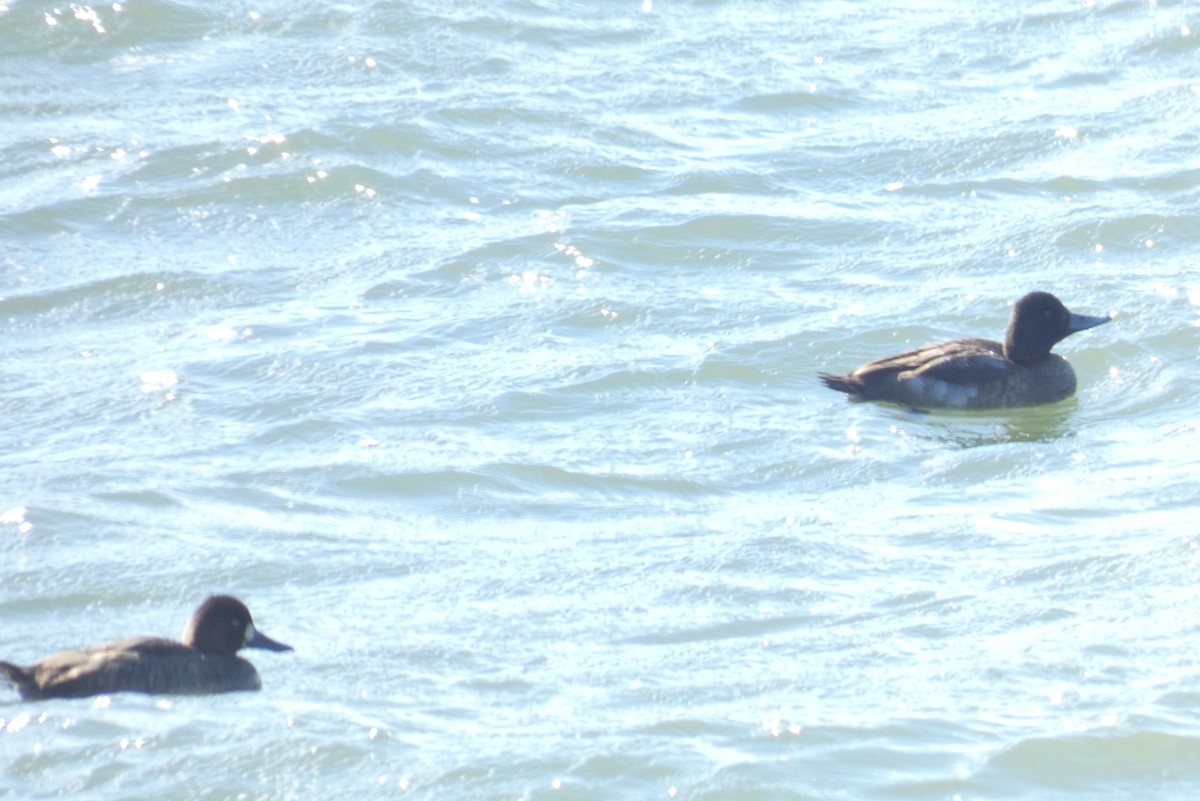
(979,373)
(205,662)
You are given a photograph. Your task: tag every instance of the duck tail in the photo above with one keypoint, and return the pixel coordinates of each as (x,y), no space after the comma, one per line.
(842,383)
(18,677)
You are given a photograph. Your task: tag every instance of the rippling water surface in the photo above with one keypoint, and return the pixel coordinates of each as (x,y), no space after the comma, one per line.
(475,347)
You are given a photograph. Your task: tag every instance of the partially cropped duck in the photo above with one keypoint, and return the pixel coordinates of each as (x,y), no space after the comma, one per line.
(979,373)
(205,662)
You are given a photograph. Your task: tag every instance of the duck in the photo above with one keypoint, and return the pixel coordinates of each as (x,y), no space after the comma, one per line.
(976,373)
(206,661)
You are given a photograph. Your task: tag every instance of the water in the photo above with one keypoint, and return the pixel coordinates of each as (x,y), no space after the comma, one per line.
(476,349)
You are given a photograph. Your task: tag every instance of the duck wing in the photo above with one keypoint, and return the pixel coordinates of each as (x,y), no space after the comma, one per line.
(962,361)
(943,374)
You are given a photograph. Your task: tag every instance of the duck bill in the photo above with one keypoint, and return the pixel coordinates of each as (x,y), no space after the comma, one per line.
(260,640)
(1082,322)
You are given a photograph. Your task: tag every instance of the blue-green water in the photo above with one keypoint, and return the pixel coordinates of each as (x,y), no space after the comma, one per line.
(475,347)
